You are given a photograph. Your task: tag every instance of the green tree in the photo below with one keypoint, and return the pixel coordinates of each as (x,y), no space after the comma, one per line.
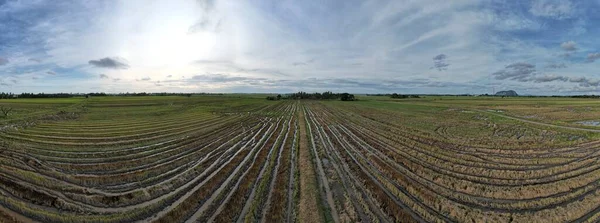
(347,97)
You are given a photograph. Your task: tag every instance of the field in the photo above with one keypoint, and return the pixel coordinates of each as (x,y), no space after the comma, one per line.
(233,158)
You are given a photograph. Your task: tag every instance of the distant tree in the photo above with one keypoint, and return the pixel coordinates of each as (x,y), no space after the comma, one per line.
(327,95)
(6,95)
(347,97)
(394,95)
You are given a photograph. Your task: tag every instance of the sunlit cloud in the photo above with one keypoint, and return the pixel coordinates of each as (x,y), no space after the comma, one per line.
(568,46)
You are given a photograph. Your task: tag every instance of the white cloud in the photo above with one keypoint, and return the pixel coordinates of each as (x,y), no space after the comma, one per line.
(556,65)
(569,46)
(556,9)
(593,57)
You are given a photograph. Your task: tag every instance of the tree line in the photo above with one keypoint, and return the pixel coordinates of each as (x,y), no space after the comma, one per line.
(42,95)
(8,95)
(327,95)
(396,95)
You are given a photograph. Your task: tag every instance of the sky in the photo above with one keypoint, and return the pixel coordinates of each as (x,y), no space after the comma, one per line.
(538,47)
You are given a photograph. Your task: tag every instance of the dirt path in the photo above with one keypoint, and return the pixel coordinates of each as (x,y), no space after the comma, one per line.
(323,178)
(309,206)
(539,123)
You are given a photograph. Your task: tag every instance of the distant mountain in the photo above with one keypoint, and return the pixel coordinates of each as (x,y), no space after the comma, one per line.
(510,93)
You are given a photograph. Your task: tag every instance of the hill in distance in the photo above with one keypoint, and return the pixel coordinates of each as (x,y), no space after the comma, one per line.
(507,93)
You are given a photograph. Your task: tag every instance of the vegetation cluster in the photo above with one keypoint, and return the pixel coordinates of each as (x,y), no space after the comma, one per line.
(327,95)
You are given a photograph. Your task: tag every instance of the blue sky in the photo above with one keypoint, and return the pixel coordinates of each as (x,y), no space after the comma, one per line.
(536,47)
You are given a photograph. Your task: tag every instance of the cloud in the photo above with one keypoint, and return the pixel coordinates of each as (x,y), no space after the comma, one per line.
(51,72)
(439,62)
(549,78)
(593,57)
(581,81)
(262,71)
(205,24)
(3,61)
(525,72)
(510,21)
(34,60)
(116,79)
(578,79)
(299,64)
(364,85)
(229,66)
(207,20)
(211,62)
(521,66)
(3,83)
(103,76)
(303,63)
(556,65)
(110,62)
(578,28)
(221,78)
(589,83)
(169,76)
(517,71)
(569,46)
(555,9)
(144,79)
(565,55)
(440,57)
(584,82)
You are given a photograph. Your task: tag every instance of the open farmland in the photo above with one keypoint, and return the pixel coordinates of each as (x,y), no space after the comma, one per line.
(238,158)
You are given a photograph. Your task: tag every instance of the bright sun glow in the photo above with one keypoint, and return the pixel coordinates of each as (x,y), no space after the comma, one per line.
(173,46)
(163,39)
